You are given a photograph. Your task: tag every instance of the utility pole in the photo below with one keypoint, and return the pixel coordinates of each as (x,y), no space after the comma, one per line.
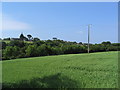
(89,37)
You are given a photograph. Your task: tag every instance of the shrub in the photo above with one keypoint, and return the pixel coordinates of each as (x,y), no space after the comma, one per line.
(31,51)
(11,52)
(17,43)
(43,50)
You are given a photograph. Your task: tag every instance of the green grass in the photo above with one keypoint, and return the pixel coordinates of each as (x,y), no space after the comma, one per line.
(0,71)
(94,70)
(8,41)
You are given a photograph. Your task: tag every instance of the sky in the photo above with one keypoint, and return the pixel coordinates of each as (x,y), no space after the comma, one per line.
(64,20)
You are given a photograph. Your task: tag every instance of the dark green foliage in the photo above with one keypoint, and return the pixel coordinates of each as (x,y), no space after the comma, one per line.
(57,50)
(97,47)
(54,38)
(51,47)
(6,39)
(22,53)
(73,49)
(25,38)
(22,37)
(29,37)
(38,43)
(80,42)
(17,43)
(31,51)
(44,50)
(106,43)
(3,44)
(11,52)
(36,39)
(52,43)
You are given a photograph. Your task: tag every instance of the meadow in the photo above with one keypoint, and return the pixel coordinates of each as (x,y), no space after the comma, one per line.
(8,41)
(94,70)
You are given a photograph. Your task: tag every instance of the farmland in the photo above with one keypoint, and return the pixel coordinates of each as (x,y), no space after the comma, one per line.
(94,70)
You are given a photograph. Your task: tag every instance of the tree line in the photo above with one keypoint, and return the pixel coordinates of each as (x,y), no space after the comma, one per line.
(21,49)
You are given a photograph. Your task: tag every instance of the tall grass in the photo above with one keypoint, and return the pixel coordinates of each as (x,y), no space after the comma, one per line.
(95,70)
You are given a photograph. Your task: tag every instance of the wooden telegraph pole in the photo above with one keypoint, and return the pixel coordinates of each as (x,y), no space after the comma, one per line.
(89,37)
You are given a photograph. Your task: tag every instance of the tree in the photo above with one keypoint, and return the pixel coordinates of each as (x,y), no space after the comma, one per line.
(29,37)
(22,37)
(54,38)
(36,39)
(106,43)
(80,43)
(6,39)
(26,39)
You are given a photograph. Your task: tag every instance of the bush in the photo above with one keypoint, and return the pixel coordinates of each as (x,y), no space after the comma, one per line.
(19,49)
(17,43)
(3,44)
(11,52)
(38,43)
(31,51)
(43,50)
(57,50)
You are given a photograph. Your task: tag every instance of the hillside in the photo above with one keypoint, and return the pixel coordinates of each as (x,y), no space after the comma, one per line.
(94,70)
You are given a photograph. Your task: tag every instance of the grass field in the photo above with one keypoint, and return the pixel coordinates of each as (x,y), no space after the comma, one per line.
(8,41)
(95,70)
